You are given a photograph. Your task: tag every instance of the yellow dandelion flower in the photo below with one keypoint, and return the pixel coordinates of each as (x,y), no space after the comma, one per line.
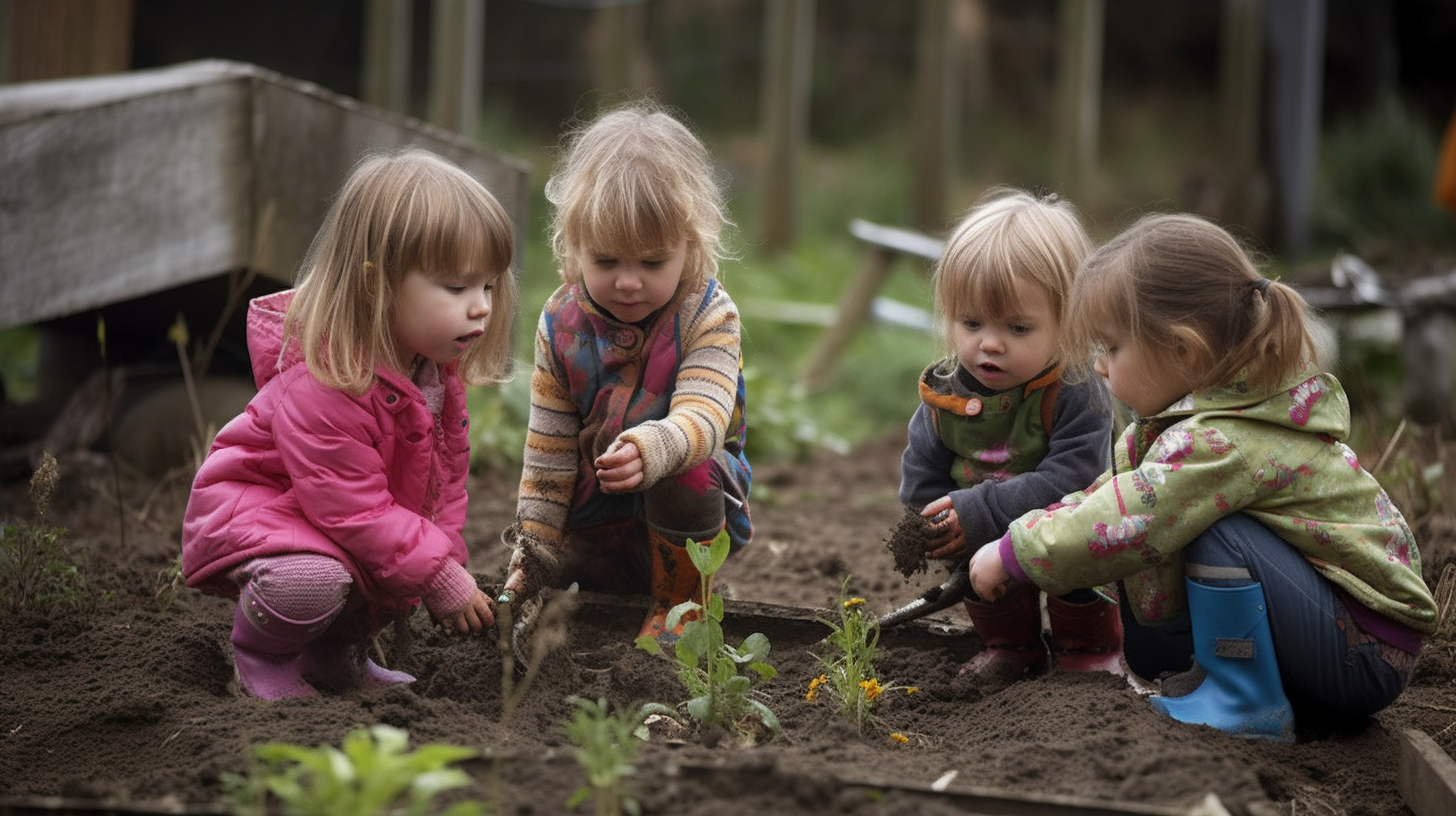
(853,602)
(911,689)
(814,685)
(900,738)
(871,689)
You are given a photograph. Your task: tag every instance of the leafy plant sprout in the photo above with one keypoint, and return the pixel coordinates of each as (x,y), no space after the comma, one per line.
(371,774)
(606,743)
(850,676)
(35,570)
(719,694)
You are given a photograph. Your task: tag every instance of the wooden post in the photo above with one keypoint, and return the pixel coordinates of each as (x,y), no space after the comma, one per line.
(388,28)
(1079,97)
(937,113)
(1296,31)
(854,310)
(1241,73)
(789,44)
(456,38)
(883,245)
(972,20)
(618,45)
(50,39)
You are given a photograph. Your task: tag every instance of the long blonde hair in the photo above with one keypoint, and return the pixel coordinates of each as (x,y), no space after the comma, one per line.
(1009,238)
(636,180)
(1182,283)
(397,213)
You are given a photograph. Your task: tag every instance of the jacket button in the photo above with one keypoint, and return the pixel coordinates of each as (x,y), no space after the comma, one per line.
(391,399)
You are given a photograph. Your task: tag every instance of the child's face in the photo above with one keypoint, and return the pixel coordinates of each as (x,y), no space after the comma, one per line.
(1146,380)
(1005,351)
(633,286)
(438,318)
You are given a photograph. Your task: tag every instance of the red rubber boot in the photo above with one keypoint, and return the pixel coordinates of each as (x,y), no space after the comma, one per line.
(1011,630)
(1086,637)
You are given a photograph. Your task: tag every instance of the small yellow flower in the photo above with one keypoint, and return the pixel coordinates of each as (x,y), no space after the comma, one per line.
(900,738)
(871,689)
(853,602)
(814,687)
(911,689)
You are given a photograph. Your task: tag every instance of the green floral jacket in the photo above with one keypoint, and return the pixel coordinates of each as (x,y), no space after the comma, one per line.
(1277,457)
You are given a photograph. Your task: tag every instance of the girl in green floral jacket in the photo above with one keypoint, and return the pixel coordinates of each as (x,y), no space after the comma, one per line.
(1240,526)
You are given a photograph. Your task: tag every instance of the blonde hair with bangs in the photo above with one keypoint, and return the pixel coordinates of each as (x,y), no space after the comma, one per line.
(397,213)
(1186,286)
(1009,239)
(634,181)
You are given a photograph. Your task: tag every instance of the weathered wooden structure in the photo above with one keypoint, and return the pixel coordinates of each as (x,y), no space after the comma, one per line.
(135,197)
(126,185)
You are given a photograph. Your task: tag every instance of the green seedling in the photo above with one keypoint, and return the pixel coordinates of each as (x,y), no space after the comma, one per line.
(719,678)
(36,572)
(606,743)
(371,774)
(850,676)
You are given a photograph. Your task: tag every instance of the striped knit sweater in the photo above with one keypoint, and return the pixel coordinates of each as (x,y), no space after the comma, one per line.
(671,385)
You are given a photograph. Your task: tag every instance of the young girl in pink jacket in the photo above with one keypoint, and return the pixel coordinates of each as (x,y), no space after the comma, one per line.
(335,503)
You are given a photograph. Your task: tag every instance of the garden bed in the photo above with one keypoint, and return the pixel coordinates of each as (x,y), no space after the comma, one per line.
(133,702)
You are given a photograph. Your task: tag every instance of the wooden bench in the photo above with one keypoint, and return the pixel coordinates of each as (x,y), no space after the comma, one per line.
(860,300)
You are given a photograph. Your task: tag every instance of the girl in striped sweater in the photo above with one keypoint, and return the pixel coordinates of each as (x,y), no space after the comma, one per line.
(636,433)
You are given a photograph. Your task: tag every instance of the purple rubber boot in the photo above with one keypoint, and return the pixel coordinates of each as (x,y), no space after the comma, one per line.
(267,647)
(342,664)
(339,660)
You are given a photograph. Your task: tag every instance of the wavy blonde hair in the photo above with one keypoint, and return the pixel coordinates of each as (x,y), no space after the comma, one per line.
(397,213)
(1180,283)
(633,181)
(1010,238)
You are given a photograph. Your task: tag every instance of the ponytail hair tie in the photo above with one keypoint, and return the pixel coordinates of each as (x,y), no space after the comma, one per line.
(1261,285)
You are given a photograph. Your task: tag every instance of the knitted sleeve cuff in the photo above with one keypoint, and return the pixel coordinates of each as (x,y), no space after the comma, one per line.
(651,441)
(450,590)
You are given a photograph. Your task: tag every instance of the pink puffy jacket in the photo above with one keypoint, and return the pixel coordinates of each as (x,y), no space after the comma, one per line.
(372,481)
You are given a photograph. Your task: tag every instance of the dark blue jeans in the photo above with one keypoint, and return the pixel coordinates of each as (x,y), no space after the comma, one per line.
(1325,671)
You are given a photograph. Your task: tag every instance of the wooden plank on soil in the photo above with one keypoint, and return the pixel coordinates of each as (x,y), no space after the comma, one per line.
(977,801)
(72,806)
(1427,775)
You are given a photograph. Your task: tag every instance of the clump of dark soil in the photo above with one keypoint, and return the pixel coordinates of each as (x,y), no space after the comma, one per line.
(907,544)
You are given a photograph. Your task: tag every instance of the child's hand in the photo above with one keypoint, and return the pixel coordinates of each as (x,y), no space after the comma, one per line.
(474,617)
(619,470)
(947,539)
(989,577)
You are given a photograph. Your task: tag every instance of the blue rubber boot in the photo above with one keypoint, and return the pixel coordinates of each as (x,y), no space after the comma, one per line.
(1241,693)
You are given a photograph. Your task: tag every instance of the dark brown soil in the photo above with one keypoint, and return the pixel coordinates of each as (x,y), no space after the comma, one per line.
(906,544)
(135,701)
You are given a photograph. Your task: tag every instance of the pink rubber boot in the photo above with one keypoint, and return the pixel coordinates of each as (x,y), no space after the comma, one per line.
(267,648)
(339,661)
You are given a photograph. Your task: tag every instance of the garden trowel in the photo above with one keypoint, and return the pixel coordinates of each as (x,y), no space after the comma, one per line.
(955,587)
